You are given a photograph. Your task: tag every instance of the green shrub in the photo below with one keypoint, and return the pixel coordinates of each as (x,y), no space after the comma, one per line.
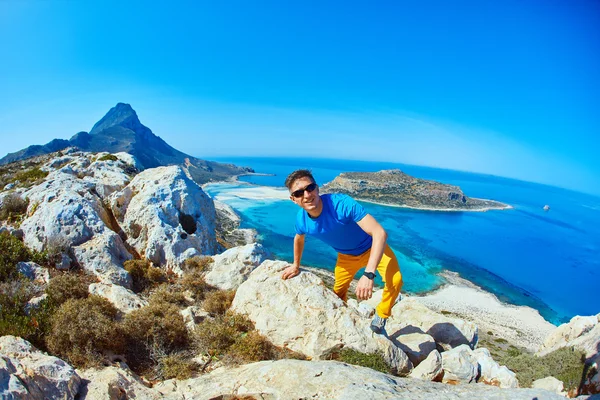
(153,331)
(250,347)
(143,274)
(108,157)
(218,302)
(371,360)
(197,263)
(67,286)
(176,366)
(565,364)
(13,251)
(216,336)
(13,208)
(84,329)
(168,294)
(31,175)
(15,318)
(194,282)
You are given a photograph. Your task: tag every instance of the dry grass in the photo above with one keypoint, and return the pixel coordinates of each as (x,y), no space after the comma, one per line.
(83,329)
(218,302)
(13,208)
(144,275)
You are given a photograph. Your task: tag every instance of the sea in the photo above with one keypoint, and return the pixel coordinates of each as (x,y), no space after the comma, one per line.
(545,259)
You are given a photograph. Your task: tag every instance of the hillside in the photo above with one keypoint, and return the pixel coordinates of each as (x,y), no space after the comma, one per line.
(120,130)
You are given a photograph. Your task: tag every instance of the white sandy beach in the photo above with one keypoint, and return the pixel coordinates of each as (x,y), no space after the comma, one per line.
(519,325)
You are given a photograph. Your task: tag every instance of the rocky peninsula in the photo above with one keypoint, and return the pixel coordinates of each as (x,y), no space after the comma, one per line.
(395,188)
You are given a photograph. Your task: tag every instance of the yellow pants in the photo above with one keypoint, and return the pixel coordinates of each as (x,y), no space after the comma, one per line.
(347,266)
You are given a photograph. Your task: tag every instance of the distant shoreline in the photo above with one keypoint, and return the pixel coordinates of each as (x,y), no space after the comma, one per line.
(483,209)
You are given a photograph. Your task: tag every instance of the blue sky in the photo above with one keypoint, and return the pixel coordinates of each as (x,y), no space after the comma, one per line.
(510,88)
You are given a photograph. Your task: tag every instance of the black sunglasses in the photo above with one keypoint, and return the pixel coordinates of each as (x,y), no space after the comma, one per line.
(300,192)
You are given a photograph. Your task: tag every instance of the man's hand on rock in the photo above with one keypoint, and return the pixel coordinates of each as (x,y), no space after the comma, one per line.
(290,272)
(364,289)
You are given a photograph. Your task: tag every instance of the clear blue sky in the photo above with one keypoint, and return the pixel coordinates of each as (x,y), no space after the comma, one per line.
(510,88)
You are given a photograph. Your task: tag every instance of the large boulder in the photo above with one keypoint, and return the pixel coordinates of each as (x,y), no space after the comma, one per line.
(429,369)
(460,366)
(27,373)
(491,373)
(66,212)
(410,316)
(232,267)
(303,315)
(166,216)
(417,346)
(331,380)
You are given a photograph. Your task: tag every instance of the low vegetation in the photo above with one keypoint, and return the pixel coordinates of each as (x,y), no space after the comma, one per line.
(564,364)
(108,157)
(144,274)
(13,208)
(370,360)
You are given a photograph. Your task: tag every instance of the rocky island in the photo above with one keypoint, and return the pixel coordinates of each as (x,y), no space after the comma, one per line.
(395,188)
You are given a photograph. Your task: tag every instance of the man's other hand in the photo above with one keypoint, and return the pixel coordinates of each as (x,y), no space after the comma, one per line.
(364,289)
(290,272)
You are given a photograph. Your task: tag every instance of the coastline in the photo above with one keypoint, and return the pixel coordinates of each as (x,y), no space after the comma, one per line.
(519,325)
(234,179)
(483,209)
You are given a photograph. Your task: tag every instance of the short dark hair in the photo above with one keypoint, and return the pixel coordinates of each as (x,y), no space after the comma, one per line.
(298,174)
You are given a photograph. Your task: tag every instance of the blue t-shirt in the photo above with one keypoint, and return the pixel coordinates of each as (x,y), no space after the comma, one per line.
(337,225)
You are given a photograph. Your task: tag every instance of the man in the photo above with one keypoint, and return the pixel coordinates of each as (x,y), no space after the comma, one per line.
(360,241)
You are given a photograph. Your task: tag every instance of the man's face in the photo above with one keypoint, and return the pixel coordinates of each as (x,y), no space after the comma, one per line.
(309,201)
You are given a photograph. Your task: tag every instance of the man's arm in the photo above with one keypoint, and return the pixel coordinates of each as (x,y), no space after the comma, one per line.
(364,289)
(294,269)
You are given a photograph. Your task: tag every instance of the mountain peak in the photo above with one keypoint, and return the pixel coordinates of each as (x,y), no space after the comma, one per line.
(120,115)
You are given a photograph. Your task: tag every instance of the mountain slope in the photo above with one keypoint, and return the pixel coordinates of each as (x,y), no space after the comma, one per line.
(121,130)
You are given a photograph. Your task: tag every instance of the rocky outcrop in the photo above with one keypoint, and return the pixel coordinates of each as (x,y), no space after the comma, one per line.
(430,369)
(232,267)
(491,373)
(394,187)
(166,216)
(580,332)
(303,315)
(295,379)
(27,373)
(67,215)
(410,316)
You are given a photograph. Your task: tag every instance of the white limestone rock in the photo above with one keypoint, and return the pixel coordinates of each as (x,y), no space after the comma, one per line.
(581,332)
(65,207)
(114,383)
(104,255)
(429,369)
(123,299)
(232,267)
(460,366)
(23,367)
(328,380)
(417,346)
(34,272)
(166,216)
(303,315)
(491,373)
(549,383)
(410,316)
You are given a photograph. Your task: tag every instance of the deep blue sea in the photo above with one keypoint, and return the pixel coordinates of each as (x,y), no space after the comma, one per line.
(548,260)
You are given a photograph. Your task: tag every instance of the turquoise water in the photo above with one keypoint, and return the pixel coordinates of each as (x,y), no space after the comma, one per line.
(526,256)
